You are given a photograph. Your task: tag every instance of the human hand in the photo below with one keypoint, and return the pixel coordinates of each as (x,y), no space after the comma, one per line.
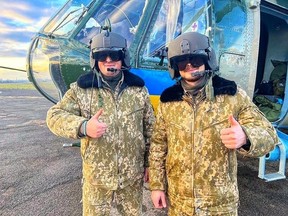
(159,199)
(95,128)
(233,137)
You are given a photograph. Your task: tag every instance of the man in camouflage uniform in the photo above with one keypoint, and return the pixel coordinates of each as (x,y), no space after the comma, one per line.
(110,110)
(201,122)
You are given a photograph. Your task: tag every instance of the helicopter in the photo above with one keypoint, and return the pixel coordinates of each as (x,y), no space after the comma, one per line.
(249,38)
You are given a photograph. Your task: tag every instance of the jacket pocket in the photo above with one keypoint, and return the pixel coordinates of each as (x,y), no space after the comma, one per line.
(215,123)
(135,111)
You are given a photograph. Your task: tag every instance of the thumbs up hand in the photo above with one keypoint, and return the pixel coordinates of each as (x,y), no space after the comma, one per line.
(233,137)
(95,128)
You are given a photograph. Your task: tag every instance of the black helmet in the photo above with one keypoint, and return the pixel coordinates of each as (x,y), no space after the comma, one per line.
(190,44)
(108,41)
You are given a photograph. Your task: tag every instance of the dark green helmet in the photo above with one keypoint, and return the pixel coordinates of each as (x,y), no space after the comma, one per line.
(108,41)
(190,44)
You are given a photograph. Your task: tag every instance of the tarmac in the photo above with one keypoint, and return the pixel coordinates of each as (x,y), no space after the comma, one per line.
(38,176)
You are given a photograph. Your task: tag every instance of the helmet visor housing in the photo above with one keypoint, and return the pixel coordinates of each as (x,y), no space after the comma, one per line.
(113,55)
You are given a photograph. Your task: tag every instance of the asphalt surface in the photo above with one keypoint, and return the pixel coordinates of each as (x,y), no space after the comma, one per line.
(38,176)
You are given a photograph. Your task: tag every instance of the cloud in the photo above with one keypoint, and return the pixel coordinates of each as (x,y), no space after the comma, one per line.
(18,14)
(15,13)
(19,22)
(16,17)
(8,47)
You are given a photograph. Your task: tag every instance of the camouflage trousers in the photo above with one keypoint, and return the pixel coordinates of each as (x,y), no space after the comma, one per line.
(176,212)
(98,201)
(181,206)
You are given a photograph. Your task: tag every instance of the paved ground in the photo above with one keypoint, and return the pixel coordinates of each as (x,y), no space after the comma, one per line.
(40,177)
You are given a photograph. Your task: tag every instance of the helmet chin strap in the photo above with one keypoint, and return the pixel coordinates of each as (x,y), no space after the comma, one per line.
(209,89)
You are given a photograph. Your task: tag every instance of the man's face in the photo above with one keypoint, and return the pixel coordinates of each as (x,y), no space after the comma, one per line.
(109,60)
(188,67)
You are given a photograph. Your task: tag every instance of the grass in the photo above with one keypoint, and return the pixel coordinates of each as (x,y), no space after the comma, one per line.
(28,86)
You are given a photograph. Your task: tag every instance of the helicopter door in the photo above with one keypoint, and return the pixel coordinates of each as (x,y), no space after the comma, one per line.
(272,63)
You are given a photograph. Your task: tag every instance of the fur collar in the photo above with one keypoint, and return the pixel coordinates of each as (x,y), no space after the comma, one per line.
(221,86)
(130,79)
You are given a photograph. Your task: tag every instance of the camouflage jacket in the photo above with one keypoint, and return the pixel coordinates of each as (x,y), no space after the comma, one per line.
(186,149)
(116,158)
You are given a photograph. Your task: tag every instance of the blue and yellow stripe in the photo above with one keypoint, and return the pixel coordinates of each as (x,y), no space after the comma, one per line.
(156,81)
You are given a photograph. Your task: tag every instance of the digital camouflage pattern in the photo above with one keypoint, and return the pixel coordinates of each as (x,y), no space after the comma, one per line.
(98,200)
(187,152)
(115,160)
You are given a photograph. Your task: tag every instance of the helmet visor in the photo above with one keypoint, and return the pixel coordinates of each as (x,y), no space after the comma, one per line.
(180,62)
(113,55)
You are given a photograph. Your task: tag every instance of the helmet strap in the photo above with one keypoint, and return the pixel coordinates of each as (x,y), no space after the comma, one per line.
(209,89)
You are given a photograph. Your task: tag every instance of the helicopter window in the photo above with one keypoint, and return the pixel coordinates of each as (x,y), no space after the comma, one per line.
(231,21)
(45,56)
(174,18)
(123,15)
(67,19)
(231,40)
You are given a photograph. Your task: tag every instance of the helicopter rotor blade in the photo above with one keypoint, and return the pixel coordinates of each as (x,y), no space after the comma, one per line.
(9,68)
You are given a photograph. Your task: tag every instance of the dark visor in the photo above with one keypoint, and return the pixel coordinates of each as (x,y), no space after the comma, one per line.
(114,55)
(181,61)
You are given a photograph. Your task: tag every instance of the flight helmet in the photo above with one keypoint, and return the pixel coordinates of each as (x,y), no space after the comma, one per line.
(189,45)
(112,43)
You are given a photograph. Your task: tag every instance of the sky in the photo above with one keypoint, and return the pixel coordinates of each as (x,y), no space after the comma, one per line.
(19,21)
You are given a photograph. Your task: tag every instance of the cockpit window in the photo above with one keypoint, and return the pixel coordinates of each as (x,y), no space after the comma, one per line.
(67,19)
(82,19)
(175,17)
(230,21)
(123,15)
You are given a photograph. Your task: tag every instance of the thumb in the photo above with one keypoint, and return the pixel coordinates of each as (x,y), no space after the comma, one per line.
(164,202)
(98,114)
(232,121)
